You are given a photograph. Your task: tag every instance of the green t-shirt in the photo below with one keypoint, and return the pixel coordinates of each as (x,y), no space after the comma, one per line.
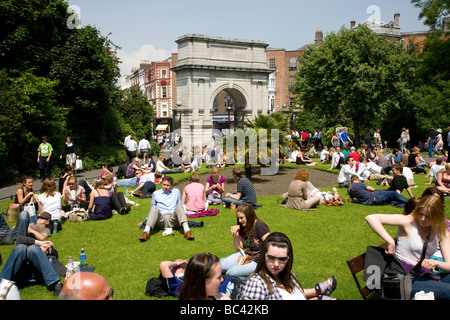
(44,149)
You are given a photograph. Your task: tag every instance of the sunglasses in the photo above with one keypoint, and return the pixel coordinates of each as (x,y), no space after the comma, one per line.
(281,260)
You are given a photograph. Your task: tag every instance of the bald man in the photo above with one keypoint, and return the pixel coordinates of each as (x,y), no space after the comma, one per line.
(86,286)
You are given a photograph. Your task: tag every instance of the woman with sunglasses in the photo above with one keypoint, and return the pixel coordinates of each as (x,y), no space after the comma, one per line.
(202,279)
(74,194)
(248,235)
(273,278)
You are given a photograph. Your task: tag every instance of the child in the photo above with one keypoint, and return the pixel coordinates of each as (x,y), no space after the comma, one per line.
(435,168)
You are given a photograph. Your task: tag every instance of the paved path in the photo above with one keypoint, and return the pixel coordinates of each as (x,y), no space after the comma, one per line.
(7,193)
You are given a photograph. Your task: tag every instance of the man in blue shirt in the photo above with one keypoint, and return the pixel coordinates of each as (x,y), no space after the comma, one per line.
(345,139)
(368,196)
(166,211)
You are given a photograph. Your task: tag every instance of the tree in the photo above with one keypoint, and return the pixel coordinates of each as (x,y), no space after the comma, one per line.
(86,68)
(434,12)
(432,96)
(28,111)
(137,112)
(357,74)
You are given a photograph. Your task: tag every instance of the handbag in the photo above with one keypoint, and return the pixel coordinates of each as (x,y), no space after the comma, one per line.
(79,164)
(30,208)
(13,212)
(399,286)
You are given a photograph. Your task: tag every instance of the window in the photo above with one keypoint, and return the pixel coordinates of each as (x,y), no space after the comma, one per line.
(272,64)
(292,63)
(164,92)
(164,74)
(164,110)
(272,83)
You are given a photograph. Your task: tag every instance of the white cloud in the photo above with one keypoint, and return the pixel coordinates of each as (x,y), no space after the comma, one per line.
(132,59)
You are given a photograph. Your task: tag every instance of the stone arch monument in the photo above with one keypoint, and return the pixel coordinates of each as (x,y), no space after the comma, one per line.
(206,66)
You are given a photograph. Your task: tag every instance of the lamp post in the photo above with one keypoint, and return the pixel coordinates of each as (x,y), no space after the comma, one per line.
(229,106)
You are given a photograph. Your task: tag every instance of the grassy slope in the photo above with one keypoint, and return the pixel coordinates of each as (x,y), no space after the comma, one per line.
(323,240)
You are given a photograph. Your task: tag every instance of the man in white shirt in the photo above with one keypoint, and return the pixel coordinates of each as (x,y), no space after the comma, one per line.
(131,148)
(336,159)
(144,147)
(346,172)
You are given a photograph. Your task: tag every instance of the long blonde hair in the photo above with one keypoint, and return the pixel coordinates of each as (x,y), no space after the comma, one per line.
(436,213)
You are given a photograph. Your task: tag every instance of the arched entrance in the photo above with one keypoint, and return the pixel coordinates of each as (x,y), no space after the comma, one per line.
(210,69)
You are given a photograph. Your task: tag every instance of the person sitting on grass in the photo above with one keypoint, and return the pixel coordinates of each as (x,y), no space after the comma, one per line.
(273,278)
(215,186)
(166,211)
(195,194)
(100,197)
(399,182)
(248,235)
(203,278)
(145,183)
(298,197)
(245,190)
(368,196)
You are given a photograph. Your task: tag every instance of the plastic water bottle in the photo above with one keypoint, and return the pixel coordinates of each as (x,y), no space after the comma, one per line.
(83,263)
(69,270)
(55,226)
(127,193)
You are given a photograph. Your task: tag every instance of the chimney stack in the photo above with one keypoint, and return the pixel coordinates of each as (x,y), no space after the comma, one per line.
(319,38)
(397,20)
(352,24)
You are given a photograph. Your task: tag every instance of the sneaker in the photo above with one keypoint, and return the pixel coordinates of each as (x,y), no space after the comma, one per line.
(326,287)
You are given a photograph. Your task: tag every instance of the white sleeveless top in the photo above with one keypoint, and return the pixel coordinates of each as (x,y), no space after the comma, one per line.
(297,294)
(409,249)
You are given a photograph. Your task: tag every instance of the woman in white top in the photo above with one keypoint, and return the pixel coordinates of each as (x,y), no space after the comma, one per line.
(427,220)
(273,278)
(50,200)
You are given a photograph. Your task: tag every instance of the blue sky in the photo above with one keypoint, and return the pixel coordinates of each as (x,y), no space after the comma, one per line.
(148,29)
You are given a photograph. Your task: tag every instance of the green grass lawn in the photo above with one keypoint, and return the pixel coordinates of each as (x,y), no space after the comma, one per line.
(323,241)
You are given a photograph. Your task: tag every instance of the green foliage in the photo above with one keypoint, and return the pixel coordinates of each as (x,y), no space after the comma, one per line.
(136,111)
(28,111)
(60,81)
(355,75)
(433,11)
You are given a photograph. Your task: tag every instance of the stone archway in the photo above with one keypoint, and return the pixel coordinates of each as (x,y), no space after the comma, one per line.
(206,66)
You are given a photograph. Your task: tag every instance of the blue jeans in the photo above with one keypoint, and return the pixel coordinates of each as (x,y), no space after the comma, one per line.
(26,265)
(441,289)
(131,182)
(431,148)
(171,171)
(8,235)
(231,267)
(228,200)
(384,197)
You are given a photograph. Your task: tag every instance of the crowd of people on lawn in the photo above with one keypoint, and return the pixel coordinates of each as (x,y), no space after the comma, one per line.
(261,266)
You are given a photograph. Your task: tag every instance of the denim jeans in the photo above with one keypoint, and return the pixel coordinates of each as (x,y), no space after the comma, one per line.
(384,197)
(131,182)
(231,267)
(228,200)
(441,289)
(8,235)
(27,265)
(431,148)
